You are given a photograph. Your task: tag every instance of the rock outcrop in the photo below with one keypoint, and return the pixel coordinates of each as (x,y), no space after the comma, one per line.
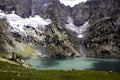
(5,37)
(58,43)
(102,37)
(81,14)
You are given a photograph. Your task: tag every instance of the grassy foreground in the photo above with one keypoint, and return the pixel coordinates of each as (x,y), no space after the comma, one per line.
(15,72)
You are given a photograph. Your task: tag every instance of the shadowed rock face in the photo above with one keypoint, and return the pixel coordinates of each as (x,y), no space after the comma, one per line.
(102,38)
(104,8)
(22,7)
(81,14)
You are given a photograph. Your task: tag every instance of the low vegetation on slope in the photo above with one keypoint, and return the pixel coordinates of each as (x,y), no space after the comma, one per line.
(15,72)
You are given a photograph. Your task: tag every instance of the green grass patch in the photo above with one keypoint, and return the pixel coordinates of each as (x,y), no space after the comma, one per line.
(29,50)
(2,55)
(14,72)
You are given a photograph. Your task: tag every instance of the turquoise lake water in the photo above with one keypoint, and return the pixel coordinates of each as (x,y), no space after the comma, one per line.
(81,63)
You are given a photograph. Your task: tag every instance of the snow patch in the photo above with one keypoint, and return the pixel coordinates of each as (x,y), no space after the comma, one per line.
(18,23)
(79,30)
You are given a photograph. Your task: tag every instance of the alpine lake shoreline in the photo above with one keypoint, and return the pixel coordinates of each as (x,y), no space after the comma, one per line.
(10,71)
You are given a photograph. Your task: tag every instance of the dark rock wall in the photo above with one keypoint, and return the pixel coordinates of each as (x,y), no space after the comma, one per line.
(22,7)
(102,37)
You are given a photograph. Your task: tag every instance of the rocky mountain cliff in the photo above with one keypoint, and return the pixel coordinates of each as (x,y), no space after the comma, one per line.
(102,37)
(96,22)
(21,7)
(55,42)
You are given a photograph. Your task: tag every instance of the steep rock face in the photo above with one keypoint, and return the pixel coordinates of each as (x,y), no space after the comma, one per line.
(39,7)
(58,42)
(21,7)
(5,37)
(103,8)
(102,38)
(43,8)
(81,14)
